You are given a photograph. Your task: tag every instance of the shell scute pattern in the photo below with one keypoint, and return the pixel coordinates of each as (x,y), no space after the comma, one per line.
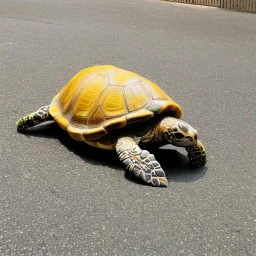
(123,78)
(85,104)
(113,103)
(156,92)
(96,118)
(136,96)
(101,99)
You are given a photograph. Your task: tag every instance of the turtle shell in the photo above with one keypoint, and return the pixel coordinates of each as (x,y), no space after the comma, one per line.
(102,99)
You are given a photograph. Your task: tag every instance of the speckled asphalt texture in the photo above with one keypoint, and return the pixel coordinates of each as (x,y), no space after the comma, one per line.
(60,197)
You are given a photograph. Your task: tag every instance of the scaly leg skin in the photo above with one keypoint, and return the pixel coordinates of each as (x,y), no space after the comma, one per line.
(197,155)
(140,162)
(41,115)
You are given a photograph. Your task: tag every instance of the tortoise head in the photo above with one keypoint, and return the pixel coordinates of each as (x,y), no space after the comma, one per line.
(178,132)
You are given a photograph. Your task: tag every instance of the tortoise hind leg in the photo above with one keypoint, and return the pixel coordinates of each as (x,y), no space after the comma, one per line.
(41,115)
(140,162)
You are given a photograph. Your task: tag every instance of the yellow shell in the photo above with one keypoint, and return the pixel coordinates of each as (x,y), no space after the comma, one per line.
(101,99)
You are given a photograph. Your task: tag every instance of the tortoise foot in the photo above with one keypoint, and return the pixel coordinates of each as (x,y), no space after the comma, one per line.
(144,166)
(25,122)
(141,163)
(41,115)
(197,155)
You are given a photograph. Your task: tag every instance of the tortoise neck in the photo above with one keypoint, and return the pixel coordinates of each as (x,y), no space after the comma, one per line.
(154,133)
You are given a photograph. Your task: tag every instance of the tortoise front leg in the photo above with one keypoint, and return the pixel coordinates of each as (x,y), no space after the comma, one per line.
(140,162)
(41,115)
(197,155)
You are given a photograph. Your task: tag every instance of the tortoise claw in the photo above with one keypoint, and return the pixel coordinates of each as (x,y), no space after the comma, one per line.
(163,182)
(159,182)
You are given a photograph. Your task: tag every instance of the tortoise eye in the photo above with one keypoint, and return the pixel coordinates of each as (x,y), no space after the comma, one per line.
(179,136)
(189,138)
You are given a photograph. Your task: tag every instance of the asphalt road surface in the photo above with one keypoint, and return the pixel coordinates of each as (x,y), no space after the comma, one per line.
(61,197)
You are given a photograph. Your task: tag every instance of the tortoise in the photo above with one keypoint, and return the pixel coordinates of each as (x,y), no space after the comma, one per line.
(112,108)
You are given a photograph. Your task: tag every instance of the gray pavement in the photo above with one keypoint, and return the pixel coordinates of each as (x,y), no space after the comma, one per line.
(60,197)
